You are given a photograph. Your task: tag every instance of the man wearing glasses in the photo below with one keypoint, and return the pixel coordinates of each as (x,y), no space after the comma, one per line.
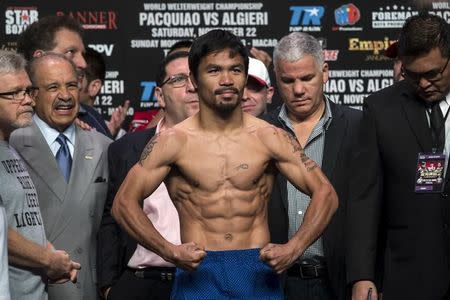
(32,260)
(68,169)
(404,126)
(127,270)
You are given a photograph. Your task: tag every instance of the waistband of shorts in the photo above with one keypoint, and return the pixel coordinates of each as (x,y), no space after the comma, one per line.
(244,253)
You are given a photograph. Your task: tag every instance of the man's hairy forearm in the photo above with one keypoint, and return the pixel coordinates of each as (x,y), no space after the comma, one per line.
(322,207)
(26,253)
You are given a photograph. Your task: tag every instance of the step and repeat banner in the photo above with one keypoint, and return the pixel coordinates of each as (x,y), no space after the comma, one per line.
(135,35)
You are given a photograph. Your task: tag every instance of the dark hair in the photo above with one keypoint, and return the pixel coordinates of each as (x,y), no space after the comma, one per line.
(162,67)
(214,41)
(423,32)
(180,45)
(96,68)
(41,34)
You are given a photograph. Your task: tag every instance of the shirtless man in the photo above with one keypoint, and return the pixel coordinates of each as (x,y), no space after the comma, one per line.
(219,167)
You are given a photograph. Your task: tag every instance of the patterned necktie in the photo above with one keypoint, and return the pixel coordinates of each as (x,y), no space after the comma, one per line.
(63,156)
(437,126)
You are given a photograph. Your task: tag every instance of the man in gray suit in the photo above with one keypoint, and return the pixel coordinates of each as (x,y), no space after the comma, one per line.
(68,167)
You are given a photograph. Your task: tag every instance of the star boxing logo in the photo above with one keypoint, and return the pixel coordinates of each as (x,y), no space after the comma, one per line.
(94,20)
(306,18)
(18,18)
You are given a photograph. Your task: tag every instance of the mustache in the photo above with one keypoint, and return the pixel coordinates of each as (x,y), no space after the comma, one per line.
(226,90)
(28,109)
(69,102)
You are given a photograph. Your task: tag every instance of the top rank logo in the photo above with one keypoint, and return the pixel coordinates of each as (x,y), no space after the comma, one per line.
(306,18)
(18,18)
(391,17)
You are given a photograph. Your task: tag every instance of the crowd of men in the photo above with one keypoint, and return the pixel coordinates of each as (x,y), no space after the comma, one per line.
(219,198)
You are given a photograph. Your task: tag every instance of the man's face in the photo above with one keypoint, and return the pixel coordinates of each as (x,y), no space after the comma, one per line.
(179,102)
(256,97)
(15,114)
(221,80)
(429,73)
(70,44)
(300,85)
(57,98)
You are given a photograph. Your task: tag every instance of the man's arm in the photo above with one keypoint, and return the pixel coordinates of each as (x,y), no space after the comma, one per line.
(56,263)
(364,210)
(306,176)
(142,180)
(108,237)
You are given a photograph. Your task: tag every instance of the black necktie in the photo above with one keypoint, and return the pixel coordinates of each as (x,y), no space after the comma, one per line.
(63,156)
(437,126)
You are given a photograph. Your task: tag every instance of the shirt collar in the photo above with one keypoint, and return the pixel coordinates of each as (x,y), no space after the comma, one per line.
(50,134)
(325,119)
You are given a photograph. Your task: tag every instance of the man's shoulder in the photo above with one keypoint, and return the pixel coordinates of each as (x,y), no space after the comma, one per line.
(96,137)
(272,116)
(133,139)
(390,94)
(350,113)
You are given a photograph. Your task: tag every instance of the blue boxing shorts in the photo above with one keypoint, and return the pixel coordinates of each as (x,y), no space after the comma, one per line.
(232,274)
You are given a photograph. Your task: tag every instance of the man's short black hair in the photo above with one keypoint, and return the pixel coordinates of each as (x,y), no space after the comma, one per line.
(422,33)
(162,67)
(180,45)
(215,41)
(41,34)
(96,68)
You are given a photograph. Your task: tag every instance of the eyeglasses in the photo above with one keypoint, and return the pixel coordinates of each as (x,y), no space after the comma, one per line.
(19,95)
(177,80)
(431,76)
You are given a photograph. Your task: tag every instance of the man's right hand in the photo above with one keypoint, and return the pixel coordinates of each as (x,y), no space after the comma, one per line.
(361,288)
(187,256)
(61,266)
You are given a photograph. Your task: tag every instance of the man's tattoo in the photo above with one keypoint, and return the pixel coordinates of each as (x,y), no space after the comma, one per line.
(147,150)
(303,156)
(242,166)
(229,237)
(309,163)
(293,140)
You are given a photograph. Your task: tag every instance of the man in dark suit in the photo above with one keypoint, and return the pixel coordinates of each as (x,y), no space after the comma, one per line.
(327,133)
(68,168)
(127,270)
(64,35)
(396,188)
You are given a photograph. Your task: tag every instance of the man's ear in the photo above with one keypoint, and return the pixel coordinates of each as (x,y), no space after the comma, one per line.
(160,97)
(270,91)
(38,53)
(94,87)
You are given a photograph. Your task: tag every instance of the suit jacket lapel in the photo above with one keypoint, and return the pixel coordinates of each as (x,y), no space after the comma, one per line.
(36,152)
(416,115)
(333,140)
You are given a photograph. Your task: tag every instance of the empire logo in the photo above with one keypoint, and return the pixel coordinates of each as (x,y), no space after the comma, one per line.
(94,20)
(376,46)
(17,19)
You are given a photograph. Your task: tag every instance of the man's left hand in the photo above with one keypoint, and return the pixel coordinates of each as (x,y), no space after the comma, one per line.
(279,256)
